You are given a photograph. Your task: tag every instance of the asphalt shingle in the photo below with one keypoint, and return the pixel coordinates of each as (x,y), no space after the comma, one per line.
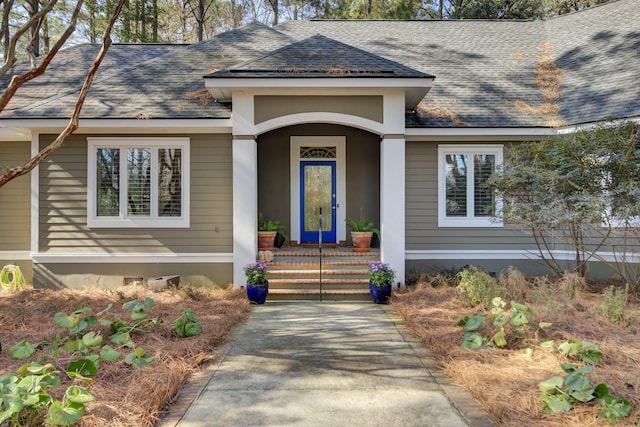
(319,56)
(485,70)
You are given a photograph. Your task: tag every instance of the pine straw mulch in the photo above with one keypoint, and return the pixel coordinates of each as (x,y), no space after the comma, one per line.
(505,382)
(126,396)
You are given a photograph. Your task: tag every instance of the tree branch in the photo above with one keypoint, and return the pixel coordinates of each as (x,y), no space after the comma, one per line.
(15,172)
(17,81)
(10,54)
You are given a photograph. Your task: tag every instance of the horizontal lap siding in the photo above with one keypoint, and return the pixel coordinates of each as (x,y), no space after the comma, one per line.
(423,233)
(15,199)
(63,205)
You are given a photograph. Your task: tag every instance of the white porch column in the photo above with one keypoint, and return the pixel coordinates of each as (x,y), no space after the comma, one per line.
(245,205)
(392,203)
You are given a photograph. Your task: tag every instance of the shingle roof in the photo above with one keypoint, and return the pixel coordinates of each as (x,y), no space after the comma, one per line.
(318,56)
(485,70)
(159,85)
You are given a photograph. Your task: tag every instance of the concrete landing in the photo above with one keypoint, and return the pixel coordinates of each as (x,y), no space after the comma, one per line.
(327,364)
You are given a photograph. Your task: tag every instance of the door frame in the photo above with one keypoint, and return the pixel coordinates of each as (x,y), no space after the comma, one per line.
(340,142)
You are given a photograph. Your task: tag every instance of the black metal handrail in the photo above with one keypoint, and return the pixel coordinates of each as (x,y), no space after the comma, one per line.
(320,250)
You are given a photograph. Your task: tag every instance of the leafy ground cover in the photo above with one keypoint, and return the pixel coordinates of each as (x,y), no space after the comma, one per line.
(125,395)
(513,358)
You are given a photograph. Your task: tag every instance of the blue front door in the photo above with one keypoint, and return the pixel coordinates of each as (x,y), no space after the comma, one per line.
(317,194)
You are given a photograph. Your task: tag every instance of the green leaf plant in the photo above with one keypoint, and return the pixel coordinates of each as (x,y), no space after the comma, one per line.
(506,326)
(187,325)
(25,397)
(560,393)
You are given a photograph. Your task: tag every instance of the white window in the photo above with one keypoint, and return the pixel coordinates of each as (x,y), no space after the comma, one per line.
(138,182)
(464,199)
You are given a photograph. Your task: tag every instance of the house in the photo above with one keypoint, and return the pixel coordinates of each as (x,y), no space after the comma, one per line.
(181,146)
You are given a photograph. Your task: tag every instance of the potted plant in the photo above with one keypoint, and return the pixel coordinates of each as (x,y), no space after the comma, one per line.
(271,234)
(361,233)
(381,278)
(257,283)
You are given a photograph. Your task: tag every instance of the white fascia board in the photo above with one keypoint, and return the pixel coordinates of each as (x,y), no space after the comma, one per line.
(414,89)
(471,133)
(324,83)
(123,125)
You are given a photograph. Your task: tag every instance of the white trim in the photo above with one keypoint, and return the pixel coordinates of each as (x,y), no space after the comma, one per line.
(123,125)
(320,117)
(340,142)
(132,258)
(35,195)
(507,254)
(15,255)
(123,221)
(245,206)
(468,220)
(321,82)
(392,204)
(12,135)
(416,133)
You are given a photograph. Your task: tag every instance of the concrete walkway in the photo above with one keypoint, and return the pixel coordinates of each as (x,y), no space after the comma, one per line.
(327,364)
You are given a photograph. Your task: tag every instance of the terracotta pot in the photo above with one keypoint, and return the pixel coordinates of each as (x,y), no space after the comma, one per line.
(361,240)
(266,240)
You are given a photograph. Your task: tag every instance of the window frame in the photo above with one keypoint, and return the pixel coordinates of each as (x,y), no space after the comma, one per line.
(469,220)
(123,220)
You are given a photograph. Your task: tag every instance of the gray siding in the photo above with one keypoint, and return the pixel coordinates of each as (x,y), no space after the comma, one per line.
(270,107)
(15,215)
(422,231)
(113,275)
(363,171)
(63,205)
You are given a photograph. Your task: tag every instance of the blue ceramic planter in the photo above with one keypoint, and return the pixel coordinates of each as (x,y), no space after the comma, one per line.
(257,294)
(380,294)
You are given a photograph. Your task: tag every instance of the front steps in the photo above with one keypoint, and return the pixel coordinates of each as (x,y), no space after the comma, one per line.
(294,274)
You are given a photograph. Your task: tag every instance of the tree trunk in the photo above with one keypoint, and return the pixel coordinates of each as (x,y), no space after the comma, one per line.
(274,8)
(45,35)
(8,4)
(154,22)
(32,8)
(200,18)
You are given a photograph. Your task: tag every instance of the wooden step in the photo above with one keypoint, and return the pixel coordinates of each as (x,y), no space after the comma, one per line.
(295,274)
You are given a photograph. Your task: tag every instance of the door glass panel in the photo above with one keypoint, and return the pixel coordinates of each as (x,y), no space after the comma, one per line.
(317,194)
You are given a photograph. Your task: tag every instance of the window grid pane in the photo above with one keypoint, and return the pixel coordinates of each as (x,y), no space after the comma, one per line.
(169,182)
(483,196)
(108,182)
(456,185)
(139,182)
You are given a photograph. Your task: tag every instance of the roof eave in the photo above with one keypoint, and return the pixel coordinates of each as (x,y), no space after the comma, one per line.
(415,88)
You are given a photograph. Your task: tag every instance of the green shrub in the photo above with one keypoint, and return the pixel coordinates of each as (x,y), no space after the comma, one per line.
(478,287)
